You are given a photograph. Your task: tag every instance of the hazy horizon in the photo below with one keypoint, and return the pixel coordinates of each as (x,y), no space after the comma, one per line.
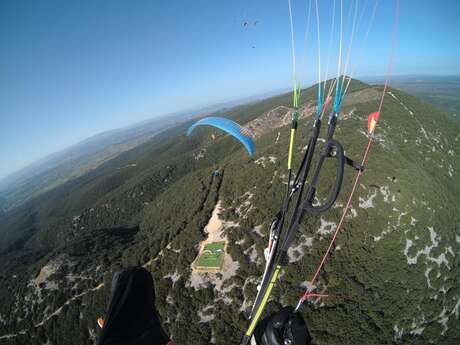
(75,70)
(138,123)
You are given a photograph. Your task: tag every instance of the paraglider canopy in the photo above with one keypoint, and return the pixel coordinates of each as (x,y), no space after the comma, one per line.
(230,127)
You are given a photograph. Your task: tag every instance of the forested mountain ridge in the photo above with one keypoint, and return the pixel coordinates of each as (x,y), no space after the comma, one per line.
(395,267)
(74,161)
(60,167)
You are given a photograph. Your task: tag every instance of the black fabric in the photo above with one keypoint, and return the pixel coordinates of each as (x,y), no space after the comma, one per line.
(131,317)
(283,326)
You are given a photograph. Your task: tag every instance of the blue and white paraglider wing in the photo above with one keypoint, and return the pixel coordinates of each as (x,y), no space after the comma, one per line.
(229,127)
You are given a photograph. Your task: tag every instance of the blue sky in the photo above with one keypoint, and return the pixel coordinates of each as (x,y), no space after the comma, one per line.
(71,69)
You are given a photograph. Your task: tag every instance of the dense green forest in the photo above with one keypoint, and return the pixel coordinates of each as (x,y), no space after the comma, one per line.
(394,272)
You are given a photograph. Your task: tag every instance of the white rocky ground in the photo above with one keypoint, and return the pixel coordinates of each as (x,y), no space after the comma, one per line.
(44,283)
(215,230)
(297,251)
(263,161)
(425,250)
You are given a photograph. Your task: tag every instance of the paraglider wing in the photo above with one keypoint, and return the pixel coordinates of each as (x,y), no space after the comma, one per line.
(229,127)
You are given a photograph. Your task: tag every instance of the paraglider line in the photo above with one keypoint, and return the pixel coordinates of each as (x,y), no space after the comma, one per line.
(363,163)
(364,42)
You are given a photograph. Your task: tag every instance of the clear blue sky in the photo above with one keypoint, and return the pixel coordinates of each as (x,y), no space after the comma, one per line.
(71,69)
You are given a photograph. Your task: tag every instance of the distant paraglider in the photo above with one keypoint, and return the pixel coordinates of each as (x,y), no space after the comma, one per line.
(248,26)
(246,23)
(229,127)
(300,199)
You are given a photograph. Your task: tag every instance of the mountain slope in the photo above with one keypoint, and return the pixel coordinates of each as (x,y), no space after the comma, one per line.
(394,272)
(60,167)
(441,91)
